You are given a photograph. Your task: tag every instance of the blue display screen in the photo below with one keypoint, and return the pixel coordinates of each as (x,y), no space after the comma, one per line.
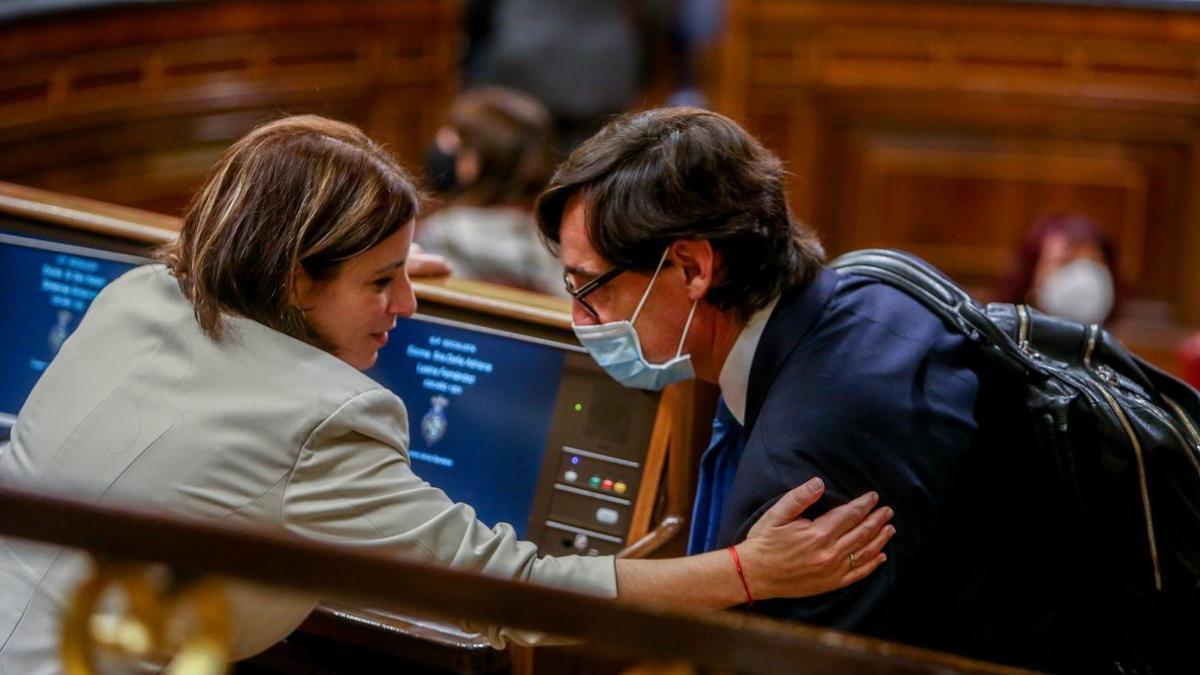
(480,407)
(45,287)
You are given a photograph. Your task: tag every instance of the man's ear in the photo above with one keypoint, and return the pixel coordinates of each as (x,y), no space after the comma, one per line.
(700,264)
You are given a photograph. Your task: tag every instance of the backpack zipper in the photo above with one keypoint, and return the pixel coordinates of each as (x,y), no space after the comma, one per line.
(1122,418)
(1137,451)
(1170,422)
(1093,333)
(1023,327)
(1187,423)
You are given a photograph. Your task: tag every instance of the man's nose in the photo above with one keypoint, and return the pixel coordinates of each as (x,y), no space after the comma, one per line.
(581,316)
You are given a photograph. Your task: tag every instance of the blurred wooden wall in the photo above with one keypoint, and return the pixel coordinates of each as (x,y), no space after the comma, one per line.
(947,128)
(943,127)
(132,103)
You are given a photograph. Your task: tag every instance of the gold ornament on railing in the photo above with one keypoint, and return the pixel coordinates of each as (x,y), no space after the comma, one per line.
(137,613)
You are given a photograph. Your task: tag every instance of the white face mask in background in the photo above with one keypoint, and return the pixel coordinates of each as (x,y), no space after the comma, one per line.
(1081,290)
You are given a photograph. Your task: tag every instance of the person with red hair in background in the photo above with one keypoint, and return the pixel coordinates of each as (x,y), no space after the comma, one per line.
(1189,360)
(1067,266)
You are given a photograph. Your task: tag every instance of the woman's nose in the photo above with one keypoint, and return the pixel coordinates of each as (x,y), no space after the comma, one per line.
(403,302)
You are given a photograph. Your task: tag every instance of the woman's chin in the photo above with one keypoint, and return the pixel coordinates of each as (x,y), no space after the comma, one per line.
(361,361)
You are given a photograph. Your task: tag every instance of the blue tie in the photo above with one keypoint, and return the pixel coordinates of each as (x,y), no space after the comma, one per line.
(718,466)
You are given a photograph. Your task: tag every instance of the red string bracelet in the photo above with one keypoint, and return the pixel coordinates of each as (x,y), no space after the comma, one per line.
(737,563)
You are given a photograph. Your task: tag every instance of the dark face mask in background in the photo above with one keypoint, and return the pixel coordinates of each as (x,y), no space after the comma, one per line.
(440,175)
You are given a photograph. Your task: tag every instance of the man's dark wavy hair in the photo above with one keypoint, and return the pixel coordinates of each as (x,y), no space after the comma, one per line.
(653,177)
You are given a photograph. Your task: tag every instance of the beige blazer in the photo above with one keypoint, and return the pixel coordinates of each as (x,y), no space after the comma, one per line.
(141,406)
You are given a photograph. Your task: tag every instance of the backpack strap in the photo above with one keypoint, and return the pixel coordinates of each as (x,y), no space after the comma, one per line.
(999,326)
(936,291)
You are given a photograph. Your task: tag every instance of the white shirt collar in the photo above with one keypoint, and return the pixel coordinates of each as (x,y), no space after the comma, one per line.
(734,379)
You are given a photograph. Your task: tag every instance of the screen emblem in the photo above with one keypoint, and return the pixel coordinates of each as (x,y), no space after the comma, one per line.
(434,423)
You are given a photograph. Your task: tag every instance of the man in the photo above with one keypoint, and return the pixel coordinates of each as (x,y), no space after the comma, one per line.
(684,259)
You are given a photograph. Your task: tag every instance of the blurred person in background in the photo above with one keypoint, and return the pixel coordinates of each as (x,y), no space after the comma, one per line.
(695,27)
(583,59)
(499,140)
(1189,360)
(1067,266)
(587,60)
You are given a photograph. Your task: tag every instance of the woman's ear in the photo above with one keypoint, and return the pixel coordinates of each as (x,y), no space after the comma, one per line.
(699,262)
(304,288)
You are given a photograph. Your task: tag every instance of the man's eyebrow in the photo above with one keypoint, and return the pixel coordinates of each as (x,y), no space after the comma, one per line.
(581,272)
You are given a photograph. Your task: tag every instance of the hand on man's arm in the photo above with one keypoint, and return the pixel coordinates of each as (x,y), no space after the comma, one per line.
(783,555)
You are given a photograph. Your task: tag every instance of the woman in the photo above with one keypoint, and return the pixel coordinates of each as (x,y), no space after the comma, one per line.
(226,384)
(1067,267)
(499,141)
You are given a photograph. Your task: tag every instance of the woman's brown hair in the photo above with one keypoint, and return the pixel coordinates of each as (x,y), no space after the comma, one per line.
(300,191)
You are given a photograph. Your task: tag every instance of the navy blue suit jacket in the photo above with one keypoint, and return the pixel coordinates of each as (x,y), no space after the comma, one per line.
(857,383)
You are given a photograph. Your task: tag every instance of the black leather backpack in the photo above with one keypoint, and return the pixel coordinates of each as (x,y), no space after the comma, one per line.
(1118,442)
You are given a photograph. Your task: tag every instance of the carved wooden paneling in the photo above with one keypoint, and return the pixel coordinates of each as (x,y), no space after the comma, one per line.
(133,104)
(965,207)
(947,128)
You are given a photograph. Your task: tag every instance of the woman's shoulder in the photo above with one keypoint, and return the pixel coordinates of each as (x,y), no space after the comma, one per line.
(248,355)
(289,363)
(252,354)
(148,274)
(152,283)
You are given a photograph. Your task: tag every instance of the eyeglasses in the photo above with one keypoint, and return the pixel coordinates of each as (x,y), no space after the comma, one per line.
(590,287)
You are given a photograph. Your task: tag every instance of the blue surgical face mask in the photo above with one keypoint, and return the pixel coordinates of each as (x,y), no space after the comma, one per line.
(616,348)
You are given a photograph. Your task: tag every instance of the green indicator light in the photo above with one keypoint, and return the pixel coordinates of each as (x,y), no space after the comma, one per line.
(578,407)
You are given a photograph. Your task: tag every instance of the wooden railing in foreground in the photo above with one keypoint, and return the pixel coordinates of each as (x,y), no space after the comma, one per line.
(724,641)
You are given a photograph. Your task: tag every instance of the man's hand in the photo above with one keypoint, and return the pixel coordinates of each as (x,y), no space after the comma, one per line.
(787,556)
(422,264)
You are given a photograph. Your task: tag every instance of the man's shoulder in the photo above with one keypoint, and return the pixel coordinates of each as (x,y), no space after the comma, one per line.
(873,352)
(837,310)
(866,325)
(860,303)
